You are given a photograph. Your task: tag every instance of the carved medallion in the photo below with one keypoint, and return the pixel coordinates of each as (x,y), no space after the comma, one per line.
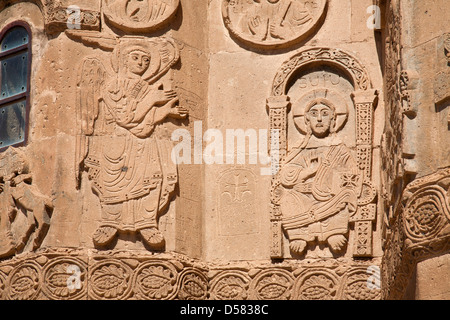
(272,23)
(155,281)
(110,279)
(230,285)
(320,284)
(357,287)
(139,15)
(193,285)
(272,284)
(24,282)
(18,194)
(426,213)
(65,279)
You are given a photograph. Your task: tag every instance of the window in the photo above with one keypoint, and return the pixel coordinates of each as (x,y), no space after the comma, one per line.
(15,69)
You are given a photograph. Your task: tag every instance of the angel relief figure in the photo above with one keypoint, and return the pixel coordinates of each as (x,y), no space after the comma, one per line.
(319,183)
(120,142)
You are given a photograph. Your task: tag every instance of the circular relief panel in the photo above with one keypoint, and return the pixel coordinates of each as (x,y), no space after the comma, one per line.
(65,279)
(110,279)
(316,284)
(192,285)
(155,280)
(230,285)
(140,15)
(272,23)
(23,282)
(272,284)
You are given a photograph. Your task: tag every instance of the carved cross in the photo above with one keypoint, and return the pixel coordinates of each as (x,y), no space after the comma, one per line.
(237,188)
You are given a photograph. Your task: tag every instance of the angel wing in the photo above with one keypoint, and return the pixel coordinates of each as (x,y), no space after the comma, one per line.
(90,87)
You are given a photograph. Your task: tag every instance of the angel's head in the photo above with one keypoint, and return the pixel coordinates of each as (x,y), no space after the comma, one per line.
(138,62)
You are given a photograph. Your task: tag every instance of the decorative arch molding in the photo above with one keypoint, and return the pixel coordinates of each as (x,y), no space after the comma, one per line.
(323,55)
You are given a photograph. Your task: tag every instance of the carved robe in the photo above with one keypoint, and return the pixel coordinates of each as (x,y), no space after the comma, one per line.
(320,190)
(129,165)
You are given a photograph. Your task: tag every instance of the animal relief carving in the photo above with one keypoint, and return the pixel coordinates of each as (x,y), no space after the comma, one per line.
(24,211)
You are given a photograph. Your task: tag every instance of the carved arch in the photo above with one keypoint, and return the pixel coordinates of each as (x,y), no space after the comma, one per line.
(335,57)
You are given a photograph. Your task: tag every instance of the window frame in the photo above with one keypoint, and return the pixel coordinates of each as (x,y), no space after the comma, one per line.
(24,95)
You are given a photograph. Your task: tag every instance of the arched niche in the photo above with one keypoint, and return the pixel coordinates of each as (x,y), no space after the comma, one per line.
(338,76)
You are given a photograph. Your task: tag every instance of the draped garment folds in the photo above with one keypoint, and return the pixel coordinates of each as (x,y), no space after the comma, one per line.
(320,189)
(129,165)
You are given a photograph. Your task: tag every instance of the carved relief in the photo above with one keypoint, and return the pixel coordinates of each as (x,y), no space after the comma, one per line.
(59,18)
(324,183)
(57,275)
(121,141)
(338,57)
(2,284)
(110,279)
(139,15)
(237,202)
(230,285)
(272,284)
(441,83)
(272,23)
(155,281)
(193,285)
(357,287)
(317,284)
(131,276)
(25,211)
(24,282)
(393,163)
(420,230)
(427,211)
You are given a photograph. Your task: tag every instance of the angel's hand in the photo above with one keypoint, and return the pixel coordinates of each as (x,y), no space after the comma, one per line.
(161,97)
(166,110)
(258,27)
(178,112)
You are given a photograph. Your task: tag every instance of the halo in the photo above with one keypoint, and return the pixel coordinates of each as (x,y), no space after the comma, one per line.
(323,96)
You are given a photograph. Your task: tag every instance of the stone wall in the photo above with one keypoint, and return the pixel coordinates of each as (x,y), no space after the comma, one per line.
(227,149)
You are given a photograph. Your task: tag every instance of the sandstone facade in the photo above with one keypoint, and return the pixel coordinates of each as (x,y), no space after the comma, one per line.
(226,149)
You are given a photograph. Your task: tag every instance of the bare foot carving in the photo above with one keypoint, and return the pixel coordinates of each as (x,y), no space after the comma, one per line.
(297,246)
(337,243)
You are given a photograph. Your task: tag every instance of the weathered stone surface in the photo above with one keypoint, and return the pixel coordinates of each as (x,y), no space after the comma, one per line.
(228,149)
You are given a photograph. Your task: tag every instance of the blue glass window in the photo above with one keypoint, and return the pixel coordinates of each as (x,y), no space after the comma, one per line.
(15,66)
